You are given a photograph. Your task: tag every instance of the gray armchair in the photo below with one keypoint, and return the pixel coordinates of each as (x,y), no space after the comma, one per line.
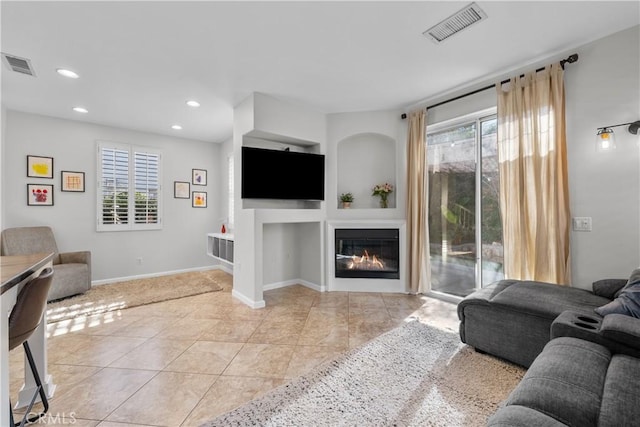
(71,270)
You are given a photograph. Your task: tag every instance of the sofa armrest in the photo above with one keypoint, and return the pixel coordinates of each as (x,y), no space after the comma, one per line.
(608,287)
(80,257)
(622,329)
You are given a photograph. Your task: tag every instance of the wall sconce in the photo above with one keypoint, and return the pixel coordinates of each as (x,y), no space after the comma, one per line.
(605,138)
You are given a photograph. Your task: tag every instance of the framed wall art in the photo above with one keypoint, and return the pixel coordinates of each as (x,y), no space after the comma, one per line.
(181,190)
(39,167)
(72,181)
(199,177)
(39,195)
(199,199)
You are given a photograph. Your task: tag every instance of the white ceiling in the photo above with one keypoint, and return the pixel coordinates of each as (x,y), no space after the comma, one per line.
(140,61)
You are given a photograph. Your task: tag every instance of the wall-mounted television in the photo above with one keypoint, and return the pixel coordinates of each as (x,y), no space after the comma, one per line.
(280,174)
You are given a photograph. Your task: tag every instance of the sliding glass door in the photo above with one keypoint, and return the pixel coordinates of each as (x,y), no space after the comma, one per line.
(464,214)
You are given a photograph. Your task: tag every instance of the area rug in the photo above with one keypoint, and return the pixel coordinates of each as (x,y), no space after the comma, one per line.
(132,293)
(414,375)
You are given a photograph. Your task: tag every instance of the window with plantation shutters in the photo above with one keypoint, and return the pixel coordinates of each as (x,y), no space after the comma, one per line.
(129,189)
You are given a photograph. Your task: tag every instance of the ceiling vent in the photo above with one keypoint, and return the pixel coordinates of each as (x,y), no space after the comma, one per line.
(17,64)
(457,22)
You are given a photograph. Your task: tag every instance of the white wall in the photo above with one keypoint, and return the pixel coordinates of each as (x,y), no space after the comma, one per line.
(180,245)
(365,149)
(603,88)
(356,131)
(225,151)
(283,119)
(366,160)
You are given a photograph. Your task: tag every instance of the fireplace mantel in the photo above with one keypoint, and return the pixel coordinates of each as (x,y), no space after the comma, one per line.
(364,284)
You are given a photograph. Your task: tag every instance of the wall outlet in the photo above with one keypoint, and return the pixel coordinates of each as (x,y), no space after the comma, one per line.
(582,223)
(139,261)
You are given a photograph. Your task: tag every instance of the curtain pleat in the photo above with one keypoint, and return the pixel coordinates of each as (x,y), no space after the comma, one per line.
(534,194)
(419,276)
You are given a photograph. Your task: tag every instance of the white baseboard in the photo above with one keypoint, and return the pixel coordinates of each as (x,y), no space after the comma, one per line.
(248,301)
(284,284)
(162,273)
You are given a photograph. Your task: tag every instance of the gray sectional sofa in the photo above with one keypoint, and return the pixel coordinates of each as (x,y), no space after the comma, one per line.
(576,383)
(582,349)
(511,319)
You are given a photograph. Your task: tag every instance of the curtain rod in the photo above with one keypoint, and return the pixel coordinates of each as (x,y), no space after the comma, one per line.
(571,59)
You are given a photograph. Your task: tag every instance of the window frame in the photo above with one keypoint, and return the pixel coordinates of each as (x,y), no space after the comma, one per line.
(131,225)
(478,118)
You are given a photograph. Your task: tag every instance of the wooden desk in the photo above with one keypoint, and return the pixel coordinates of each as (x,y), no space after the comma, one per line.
(16,270)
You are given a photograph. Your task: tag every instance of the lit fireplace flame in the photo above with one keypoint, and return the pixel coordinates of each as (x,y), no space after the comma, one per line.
(365,262)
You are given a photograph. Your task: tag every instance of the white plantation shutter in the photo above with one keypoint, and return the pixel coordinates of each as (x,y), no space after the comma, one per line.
(115,186)
(129,189)
(147,187)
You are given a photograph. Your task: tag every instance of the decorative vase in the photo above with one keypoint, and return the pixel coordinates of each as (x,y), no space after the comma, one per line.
(223,229)
(384,203)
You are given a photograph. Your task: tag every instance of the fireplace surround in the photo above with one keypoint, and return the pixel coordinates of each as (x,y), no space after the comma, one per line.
(390,281)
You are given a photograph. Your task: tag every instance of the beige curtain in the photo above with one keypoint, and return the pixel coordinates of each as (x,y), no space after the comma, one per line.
(534,195)
(417,197)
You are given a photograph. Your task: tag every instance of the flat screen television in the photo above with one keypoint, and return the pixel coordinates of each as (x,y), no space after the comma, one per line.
(279,174)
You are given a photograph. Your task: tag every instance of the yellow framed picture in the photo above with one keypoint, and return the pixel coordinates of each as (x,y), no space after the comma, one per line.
(39,167)
(199,199)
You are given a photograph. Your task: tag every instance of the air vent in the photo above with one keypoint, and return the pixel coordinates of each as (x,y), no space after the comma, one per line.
(17,64)
(455,23)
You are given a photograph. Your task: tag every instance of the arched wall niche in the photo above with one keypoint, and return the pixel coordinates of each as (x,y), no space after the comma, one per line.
(365,160)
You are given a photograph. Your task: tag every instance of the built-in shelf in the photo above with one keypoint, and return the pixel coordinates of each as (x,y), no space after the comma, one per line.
(363,161)
(220,246)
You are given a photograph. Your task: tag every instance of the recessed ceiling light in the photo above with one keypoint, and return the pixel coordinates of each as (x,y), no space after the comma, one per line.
(67,73)
(176,127)
(192,103)
(80,110)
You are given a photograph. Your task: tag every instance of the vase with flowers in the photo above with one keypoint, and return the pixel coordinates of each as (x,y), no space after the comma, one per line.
(383,191)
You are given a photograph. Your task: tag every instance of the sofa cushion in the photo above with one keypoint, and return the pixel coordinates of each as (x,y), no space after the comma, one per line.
(521,416)
(608,288)
(546,299)
(621,395)
(622,329)
(565,382)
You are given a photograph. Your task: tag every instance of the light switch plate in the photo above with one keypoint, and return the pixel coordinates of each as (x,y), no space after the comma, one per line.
(582,223)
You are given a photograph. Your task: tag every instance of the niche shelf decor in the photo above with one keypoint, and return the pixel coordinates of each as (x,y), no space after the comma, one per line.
(365,159)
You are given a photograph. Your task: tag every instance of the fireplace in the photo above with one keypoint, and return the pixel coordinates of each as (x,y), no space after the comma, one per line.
(372,253)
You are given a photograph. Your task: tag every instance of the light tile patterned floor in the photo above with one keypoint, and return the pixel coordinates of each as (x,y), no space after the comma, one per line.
(183,362)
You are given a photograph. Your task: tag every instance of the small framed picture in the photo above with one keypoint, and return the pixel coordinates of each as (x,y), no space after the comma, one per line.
(199,199)
(39,195)
(39,167)
(181,190)
(199,177)
(72,181)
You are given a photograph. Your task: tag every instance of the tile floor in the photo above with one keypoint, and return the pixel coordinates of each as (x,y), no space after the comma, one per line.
(183,362)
